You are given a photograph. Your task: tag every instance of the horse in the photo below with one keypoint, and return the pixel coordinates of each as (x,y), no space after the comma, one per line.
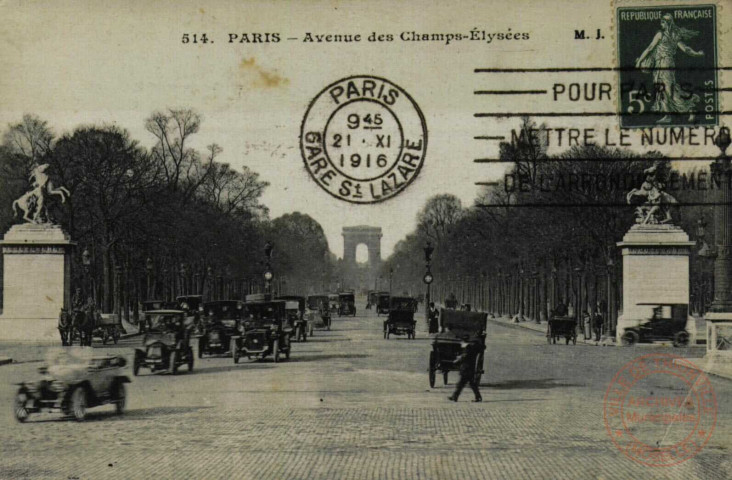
(65,328)
(83,323)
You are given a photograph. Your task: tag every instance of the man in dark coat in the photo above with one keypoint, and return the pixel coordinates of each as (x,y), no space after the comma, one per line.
(467,370)
(434,318)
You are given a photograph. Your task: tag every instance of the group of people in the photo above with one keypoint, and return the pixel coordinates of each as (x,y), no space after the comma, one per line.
(593,322)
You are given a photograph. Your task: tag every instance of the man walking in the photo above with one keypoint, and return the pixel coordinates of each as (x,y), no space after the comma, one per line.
(433,316)
(467,370)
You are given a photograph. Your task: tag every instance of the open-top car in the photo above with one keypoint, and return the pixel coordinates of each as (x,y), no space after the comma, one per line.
(650,322)
(383,300)
(401,317)
(218,325)
(263,331)
(166,344)
(458,329)
(296,311)
(346,304)
(319,307)
(71,380)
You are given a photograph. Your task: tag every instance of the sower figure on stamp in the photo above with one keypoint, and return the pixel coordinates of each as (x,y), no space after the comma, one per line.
(467,370)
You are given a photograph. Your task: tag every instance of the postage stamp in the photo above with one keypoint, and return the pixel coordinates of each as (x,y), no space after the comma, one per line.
(667,66)
(363,139)
(660,410)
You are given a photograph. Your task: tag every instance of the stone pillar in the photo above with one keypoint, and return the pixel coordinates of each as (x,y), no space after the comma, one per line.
(36,282)
(655,270)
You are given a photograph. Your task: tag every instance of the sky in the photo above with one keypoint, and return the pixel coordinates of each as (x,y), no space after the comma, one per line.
(84,62)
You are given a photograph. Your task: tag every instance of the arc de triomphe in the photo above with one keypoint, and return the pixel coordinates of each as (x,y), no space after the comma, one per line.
(355,277)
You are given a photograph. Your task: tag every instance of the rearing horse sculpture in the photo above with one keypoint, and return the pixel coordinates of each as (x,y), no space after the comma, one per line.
(33,202)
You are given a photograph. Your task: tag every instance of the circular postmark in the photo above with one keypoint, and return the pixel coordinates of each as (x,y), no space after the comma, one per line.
(363,139)
(660,410)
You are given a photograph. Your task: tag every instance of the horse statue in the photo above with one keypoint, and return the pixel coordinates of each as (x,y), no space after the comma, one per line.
(65,328)
(32,203)
(655,209)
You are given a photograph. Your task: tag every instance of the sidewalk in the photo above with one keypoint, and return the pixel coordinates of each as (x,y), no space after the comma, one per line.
(27,353)
(542,327)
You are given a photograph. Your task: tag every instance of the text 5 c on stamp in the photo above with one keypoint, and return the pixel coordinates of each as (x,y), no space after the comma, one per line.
(363,139)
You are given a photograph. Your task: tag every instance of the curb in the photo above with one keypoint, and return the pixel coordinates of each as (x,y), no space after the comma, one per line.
(518,326)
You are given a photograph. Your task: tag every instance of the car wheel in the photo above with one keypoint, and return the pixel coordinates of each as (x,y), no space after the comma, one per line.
(19,406)
(276,351)
(120,398)
(629,338)
(681,339)
(433,369)
(77,403)
(173,362)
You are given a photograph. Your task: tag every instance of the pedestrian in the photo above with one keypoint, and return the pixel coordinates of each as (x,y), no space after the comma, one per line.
(586,324)
(598,322)
(467,369)
(434,318)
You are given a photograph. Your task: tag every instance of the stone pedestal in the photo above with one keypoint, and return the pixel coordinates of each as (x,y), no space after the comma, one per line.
(655,268)
(718,359)
(36,282)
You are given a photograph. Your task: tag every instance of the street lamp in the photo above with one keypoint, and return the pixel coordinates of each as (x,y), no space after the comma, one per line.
(86,261)
(723,225)
(268,275)
(148,269)
(391,277)
(428,249)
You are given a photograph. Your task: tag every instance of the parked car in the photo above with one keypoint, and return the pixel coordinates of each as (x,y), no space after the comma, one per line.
(382,303)
(459,328)
(218,325)
(263,332)
(295,309)
(346,304)
(401,317)
(650,322)
(166,345)
(72,380)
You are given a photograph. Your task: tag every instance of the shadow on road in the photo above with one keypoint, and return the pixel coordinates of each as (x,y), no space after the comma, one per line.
(107,415)
(540,383)
(315,358)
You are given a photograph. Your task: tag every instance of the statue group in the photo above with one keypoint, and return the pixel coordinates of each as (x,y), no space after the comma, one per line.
(33,204)
(656,205)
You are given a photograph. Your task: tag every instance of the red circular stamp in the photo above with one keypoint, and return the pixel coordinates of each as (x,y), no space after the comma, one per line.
(660,410)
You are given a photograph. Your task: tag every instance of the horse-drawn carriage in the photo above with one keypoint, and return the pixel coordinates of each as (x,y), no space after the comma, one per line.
(562,326)
(459,329)
(83,323)
(107,327)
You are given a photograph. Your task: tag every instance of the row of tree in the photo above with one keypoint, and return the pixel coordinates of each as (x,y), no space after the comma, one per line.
(532,240)
(162,221)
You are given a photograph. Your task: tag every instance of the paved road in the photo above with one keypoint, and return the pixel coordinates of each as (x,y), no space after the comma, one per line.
(350,404)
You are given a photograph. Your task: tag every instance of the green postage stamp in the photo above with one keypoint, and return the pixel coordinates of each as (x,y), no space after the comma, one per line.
(668,66)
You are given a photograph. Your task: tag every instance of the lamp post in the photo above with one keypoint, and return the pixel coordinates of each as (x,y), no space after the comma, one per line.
(86,261)
(149,265)
(268,275)
(428,249)
(723,229)
(391,278)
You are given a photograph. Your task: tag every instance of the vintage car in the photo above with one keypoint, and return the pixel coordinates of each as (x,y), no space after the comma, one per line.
(263,331)
(383,301)
(166,344)
(193,306)
(72,380)
(459,328)
(346,304)
(218,325)
(401,317)
(650,322)
(319,307)
(295,309)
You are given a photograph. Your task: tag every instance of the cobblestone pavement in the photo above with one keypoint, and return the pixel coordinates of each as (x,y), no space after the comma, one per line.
(350,404)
